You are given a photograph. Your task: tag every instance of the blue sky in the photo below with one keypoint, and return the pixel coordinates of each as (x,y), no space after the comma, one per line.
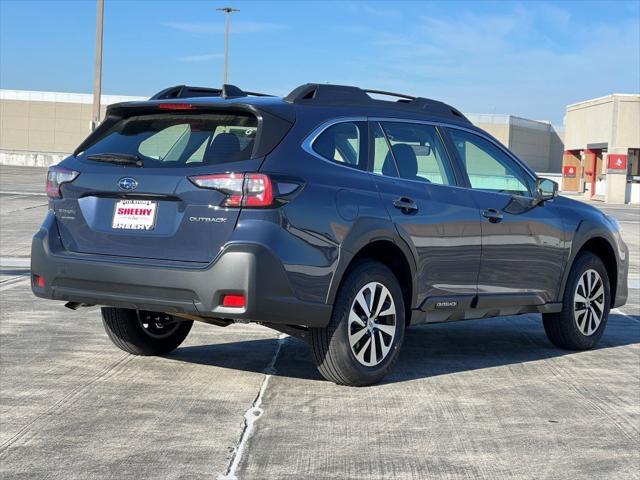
(525,58)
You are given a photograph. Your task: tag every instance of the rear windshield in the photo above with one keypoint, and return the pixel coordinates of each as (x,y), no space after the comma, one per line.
(180,140)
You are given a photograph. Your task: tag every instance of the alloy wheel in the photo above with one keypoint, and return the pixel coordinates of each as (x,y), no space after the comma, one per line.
(372,324)
(589,302)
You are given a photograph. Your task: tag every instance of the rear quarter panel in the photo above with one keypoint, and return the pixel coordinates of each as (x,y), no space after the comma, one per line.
(332,206)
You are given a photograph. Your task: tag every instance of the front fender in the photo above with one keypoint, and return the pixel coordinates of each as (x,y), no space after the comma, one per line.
(589,229)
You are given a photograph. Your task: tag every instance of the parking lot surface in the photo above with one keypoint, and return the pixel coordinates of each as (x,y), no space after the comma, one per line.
(482,399)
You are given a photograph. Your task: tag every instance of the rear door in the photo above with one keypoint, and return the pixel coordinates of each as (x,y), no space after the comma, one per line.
(417,183)
(156,211)
(522,244)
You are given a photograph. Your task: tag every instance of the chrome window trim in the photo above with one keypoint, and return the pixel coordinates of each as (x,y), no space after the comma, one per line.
(307,143)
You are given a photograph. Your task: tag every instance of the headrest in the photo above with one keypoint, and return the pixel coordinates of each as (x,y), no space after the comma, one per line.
(223,148)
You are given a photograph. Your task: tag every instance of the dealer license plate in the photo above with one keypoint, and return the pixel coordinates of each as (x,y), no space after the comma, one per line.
(135,215)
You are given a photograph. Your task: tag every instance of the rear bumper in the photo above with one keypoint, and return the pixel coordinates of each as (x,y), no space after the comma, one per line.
(171,287)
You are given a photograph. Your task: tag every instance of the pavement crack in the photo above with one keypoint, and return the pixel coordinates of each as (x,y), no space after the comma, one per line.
(33,206)
(251,416)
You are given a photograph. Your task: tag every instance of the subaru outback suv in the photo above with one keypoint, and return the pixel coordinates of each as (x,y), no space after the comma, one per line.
(331,215)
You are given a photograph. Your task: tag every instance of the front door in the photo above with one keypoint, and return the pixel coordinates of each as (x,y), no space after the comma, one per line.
(417,184)
(522,244)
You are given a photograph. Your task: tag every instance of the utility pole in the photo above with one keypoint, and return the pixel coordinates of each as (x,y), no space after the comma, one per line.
(228,11)
(97,79)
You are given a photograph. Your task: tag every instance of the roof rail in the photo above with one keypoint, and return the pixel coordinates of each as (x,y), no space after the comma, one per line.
(184,91)
(389,94)
(326,94)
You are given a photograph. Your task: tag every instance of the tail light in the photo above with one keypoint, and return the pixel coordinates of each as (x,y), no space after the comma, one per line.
(176,106)
(242,189)
(258,190)
(56,176)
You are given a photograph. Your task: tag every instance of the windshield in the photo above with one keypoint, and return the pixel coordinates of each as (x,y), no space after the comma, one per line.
(179,139)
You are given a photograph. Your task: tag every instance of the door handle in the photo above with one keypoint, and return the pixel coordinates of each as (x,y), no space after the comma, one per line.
(493,215)
(406,205)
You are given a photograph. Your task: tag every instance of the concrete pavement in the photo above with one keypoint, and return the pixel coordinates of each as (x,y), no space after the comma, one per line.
(480,399)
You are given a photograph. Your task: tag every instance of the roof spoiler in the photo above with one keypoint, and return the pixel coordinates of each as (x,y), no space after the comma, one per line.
(185,91)
(273,122)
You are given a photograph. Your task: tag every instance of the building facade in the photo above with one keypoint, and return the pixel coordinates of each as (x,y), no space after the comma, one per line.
(602,146)
(538,144)
(41,128)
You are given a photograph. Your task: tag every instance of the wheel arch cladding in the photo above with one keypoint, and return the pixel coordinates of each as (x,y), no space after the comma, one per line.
(392,256)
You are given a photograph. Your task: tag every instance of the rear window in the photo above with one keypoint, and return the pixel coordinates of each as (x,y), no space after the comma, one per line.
(180,140)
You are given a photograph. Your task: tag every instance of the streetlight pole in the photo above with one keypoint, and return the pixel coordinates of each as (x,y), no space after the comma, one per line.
(97,79)
(228,11)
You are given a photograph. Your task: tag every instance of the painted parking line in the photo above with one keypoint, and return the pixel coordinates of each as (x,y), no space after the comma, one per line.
(617,311)
(22,194)
(15,262)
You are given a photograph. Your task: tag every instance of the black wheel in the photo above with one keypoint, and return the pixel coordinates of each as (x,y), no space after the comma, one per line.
(363,338)
(585,306)
(144,333)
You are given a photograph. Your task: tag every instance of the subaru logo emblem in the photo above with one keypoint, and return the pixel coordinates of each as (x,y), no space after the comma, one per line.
(128,183)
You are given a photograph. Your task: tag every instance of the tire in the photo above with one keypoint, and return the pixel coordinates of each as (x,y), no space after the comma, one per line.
(337,360)
(126,330)
(571,329)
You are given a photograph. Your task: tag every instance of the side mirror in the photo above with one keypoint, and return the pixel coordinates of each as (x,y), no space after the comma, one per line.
(545,190)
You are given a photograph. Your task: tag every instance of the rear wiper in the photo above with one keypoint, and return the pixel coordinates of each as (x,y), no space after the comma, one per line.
(117,158)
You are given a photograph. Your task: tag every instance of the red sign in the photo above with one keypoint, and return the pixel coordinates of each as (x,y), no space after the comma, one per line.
(569,171)
(617,161)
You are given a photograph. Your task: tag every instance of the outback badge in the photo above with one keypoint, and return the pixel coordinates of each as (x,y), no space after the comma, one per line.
(447,304)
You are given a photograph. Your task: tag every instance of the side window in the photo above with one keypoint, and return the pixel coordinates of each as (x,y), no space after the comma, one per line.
(344,143)
(488,167)
(417,153)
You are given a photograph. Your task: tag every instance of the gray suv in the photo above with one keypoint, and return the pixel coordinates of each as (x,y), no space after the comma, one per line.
(331,215)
